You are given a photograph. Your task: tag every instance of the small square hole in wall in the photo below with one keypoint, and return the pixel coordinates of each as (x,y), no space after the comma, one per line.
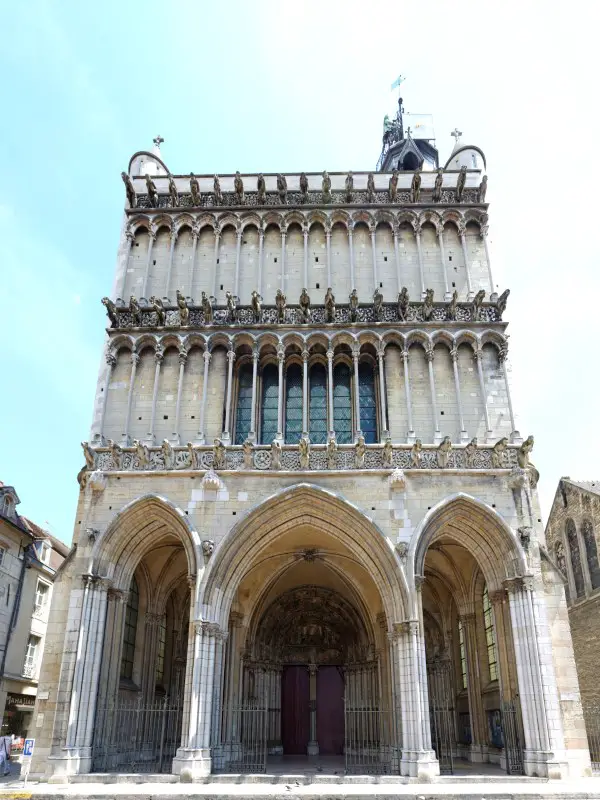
(154,262)
(317,286)
(102,389)
(275,260)
(449,258)
(234,513)
(137,244)
(493,505)
(385,258)
(186,513)
(316,259)
(139,418)
(381,285)
(244,242)
(110,508)
(442,413)
(221,287)
(453,285)
(166,416)
(372,508)
(218,260)
(192,417)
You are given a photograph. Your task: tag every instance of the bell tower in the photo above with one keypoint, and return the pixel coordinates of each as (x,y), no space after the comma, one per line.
(406,149)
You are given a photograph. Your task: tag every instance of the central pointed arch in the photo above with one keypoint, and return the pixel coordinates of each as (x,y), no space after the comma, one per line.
(304,504)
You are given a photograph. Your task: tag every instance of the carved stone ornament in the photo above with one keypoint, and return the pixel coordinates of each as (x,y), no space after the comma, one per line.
(90,455)
(443,452)
(402,551)
(211,480)
(525,533)
(359,453)
(387,455)
(397,480)
(247,450)
(92,534)
(304,451)
(275,454)
(195,190)
(129,190)
(184,312)
(173,193)
(97,481)
(208,547)
(111,311)
(219,455)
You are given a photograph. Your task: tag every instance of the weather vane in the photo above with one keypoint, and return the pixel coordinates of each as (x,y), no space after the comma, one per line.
(158,140)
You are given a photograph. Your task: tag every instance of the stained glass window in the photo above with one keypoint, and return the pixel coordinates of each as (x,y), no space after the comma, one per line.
(270,398)
(573,543)
(160,656)
(490,636)
(561,563)
(317,410)
(342,404)
(243,416)
(293,404)
(591,552)
(463,656)
(130,630)
(368,405)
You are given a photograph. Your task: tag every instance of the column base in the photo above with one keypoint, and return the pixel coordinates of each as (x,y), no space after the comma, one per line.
(420,764)
(447,296)
(543,764)
(464,437)
(175,439)
(98,440)
(470,296)
(384,436)
(124,440)
(200,439)
(149,440)
(410,437)
(225,437)
(489,437)
(478,753)
(437,437)
(493,297)
(72,761)
(516,438)
(192,764)
(312,749)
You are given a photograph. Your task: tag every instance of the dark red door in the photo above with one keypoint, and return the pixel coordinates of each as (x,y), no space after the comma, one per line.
(330,711)
(295,714)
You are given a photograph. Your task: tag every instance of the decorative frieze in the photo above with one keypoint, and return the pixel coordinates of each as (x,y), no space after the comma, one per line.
(296,458)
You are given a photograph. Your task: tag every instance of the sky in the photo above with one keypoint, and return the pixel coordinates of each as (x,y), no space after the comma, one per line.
(273,86)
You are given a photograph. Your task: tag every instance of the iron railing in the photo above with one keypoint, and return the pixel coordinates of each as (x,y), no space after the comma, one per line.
(136,737)
(513,749)
(249,754)
(591,714)
(370,742)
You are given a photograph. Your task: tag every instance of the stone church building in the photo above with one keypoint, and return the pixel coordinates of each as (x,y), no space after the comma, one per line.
(307,526)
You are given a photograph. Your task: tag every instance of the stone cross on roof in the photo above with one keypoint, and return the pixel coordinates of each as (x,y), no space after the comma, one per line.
(158,140)
(457,134)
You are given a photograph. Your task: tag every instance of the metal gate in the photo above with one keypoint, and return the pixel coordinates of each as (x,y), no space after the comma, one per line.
(249,754)
(441,714)
(513,751)
(136,737)
(369,741)
(591,715)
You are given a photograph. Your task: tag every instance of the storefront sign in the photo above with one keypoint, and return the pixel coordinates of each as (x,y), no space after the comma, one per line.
(13,699)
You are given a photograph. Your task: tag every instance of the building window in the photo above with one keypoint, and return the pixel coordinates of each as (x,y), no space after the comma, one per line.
(368,404)
(160,658)
(42,593)
(463,656)
(490,636)
(342,404)
(31,656)
(270,399)
(591,552)
(293,404)
(561,563)
(318,405)
(2,553)
(129,633)
(243,416)
(575,554)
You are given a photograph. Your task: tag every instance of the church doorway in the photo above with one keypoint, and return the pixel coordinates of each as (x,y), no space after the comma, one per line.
(295,712)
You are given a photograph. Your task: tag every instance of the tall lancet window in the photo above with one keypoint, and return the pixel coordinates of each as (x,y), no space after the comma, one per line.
(293,404)
(318,405)
(270,399)
(368,404)
(243,414)
(342,404)
(591,552)
(130,631)
(575,553)
(490,636)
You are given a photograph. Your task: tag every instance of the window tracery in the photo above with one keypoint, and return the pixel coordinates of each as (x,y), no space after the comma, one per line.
(591,552)
(130,631)
(575,554)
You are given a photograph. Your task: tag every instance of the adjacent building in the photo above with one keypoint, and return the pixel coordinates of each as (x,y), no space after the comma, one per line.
(308,524)
(29,559)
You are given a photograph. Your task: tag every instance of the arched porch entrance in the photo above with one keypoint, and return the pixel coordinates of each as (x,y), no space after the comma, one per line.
(483,628)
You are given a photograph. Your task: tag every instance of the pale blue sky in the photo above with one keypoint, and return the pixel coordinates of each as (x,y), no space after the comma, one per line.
(272,86)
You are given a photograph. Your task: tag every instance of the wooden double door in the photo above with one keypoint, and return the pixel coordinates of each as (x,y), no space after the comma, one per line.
(296,706)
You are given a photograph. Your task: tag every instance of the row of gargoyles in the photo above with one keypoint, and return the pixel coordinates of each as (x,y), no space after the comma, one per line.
(282,188)
(232,302)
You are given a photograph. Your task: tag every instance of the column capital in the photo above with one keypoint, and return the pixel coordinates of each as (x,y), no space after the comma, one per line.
(183,355)
(429,353)
(521,583)
(239,233)
(330,354)
(111,359)
(261,234)
(468,618)
(483,231)
(477,353)
(255,352)
(405,628)
(355,350)
(404,355)
(305,355)
(454,353)
(173,233)
(380,350)
(135,359)
(206,355)
(280,352)
(159,354)
(419,581)
(236,619)
(503,352)
(231,355)
(313,669)
(497,597)
(130,236)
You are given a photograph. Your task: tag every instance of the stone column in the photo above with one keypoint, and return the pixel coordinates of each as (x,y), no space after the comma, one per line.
(542,723)
(384,423)
(355,357)
(515,436)
(231,733)
(420,257)
(429,355)
(135,358)
(111,361)
(483,232)
(201,431)
(328,248)
(330,391)
(255,356)
(283,261)
(173,238)
(305,355)
(158,358)
(226,436)
(410,436)
(478,357)
(261,241)
(82,710)
(305,236)
(150,652)
(238,252)
(463,241)
(374,254)
(418,760)
(476,713)
(464,437)
(215,263)
(440,234)
(280,363)
(397,260)
(151,240)
(193,760)
(195,236)
(313,745)
(182,362)
(351,247)
(121,290)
